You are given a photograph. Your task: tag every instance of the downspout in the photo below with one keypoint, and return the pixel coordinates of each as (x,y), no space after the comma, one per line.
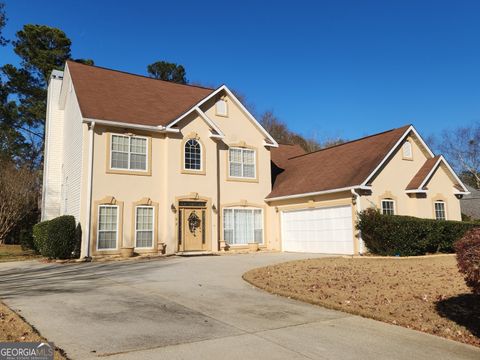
(91,132)
(359,209)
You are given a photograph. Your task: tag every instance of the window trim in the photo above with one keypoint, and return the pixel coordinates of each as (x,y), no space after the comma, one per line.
(136,207)
(148,156)
(98,227)
(252,208)
(405,157)
(226,107)
(243,148)
(394,205)
(197,171)
(444,209)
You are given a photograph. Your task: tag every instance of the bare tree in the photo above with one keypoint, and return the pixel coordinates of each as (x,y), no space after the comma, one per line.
(462,147)
(18,195)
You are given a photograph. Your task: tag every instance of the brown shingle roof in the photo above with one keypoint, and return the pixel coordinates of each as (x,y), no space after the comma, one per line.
(420,176)
(283,152)
(339,166)
(106,94)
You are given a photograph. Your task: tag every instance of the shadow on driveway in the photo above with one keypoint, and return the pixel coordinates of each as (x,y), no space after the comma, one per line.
(40,279)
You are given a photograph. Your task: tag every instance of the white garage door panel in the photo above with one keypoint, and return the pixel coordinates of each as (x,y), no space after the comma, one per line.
(322,230)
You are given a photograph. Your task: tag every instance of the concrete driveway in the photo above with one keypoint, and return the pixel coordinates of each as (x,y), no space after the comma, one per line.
(197,308)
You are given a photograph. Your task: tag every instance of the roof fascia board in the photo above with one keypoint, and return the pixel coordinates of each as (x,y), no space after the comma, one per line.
(460,182)
(296,196)
(394,147)
(210,122)
(238,103)
(429,175)
(126,125)
(251,117)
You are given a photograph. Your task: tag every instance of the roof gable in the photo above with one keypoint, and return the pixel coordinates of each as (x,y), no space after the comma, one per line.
(106,94)
(338,167)
(421,179)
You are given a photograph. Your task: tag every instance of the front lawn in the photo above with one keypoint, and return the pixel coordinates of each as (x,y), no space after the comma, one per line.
(15,253)
(425,293)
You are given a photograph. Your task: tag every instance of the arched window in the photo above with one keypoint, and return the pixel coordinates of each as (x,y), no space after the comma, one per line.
(407,150)
(221,107)
(193,155)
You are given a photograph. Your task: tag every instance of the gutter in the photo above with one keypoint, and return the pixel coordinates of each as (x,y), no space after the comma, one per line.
(359,209)
(296,196)
(91,133)
(159,129)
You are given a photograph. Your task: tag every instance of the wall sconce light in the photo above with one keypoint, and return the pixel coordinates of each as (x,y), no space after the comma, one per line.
(354,200)
(214,208)
(173,208)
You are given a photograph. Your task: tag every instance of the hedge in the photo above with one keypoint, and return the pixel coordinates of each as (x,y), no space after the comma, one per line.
(393,235)
(56,238)
(468,258)
(40,235)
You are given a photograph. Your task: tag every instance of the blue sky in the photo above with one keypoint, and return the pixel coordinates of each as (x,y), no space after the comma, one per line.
(327,68)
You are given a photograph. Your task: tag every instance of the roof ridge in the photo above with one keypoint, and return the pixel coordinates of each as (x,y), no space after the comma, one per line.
(138,75)
(351,141)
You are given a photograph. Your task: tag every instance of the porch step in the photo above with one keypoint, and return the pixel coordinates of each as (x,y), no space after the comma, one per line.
(195,253)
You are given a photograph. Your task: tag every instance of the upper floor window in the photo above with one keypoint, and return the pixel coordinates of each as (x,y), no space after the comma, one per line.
(388,207)
(407,150)
(221,107)
(242,163)
(193,155)
(128,153)
(440,213)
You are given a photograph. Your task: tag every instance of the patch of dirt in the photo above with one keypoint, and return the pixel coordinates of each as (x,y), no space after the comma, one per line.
(14,329)
(15,253)
(426,294)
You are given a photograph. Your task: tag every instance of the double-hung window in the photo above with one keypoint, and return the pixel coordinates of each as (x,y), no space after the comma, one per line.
(128,153)
(242,226)
(144,226)
(242,163)
(440,212)
(388,207)
(107,235)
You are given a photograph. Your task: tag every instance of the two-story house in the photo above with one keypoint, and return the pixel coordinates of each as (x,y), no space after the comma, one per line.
(155,165)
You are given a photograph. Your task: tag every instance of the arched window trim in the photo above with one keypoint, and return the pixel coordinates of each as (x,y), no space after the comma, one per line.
(185,155)
(407,150)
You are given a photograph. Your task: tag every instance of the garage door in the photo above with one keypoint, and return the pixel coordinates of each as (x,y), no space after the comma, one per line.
(322,230)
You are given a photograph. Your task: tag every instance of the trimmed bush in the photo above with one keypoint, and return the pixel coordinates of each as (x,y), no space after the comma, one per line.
(40,232)
(393,235)
(60,242)
(57,238)
(468,258)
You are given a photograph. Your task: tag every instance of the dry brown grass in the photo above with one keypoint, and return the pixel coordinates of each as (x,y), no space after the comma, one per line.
(426,294)
(14,329)
(15,253)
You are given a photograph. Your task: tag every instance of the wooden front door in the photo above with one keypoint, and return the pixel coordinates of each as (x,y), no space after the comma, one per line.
(192,235)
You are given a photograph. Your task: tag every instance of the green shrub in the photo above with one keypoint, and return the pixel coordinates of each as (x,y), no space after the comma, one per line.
(26,240)
(392,235)
(468,258)
(60,241)
(40,235)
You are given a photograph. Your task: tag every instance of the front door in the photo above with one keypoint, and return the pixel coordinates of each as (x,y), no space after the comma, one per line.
(192,227)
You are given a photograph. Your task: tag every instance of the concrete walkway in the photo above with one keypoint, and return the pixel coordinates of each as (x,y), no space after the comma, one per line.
(197,308)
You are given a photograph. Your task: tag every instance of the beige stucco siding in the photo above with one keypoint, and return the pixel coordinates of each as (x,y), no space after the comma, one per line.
(393,179)
(167,181)
(127,188)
